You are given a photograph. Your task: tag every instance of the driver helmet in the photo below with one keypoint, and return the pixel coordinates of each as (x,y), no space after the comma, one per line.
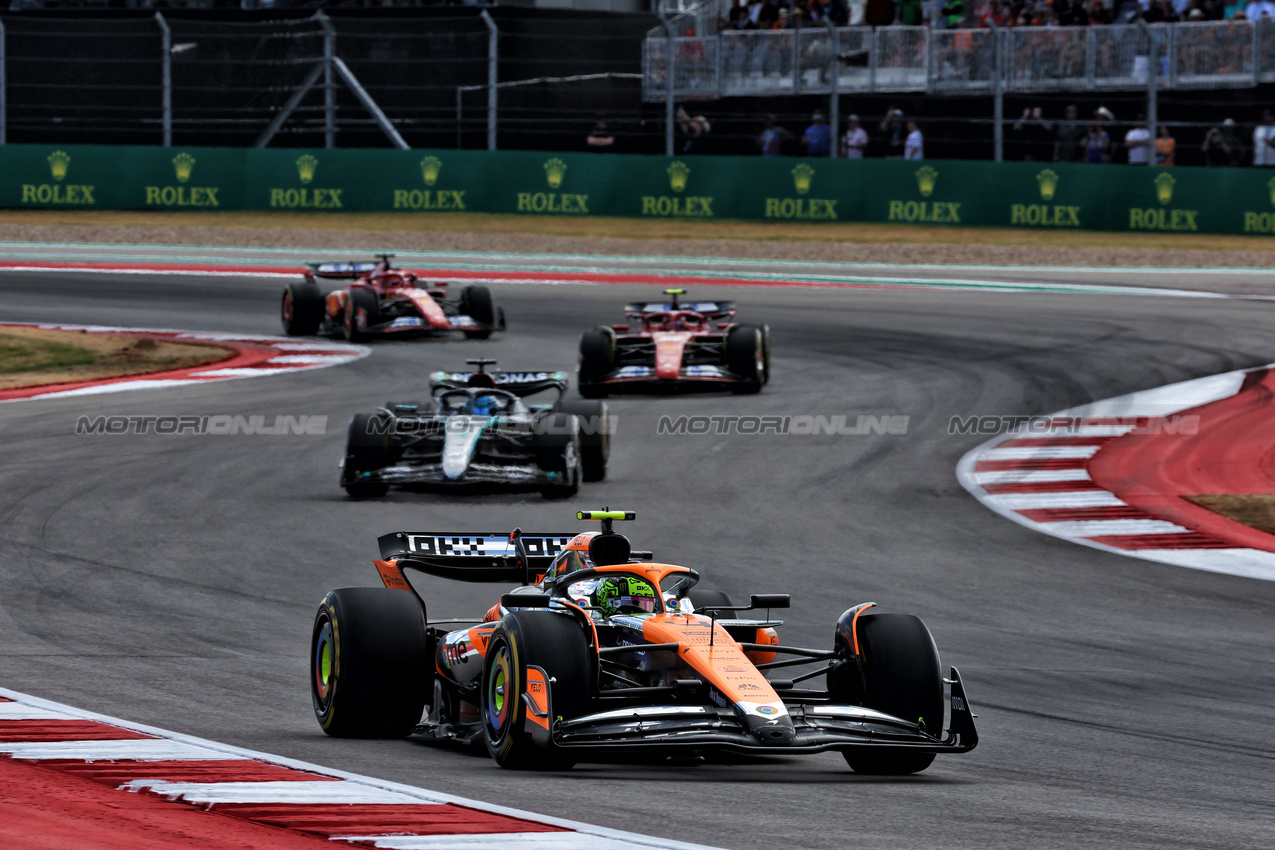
(483,405)
(624,595)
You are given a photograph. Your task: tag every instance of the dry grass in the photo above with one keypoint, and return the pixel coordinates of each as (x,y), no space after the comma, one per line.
(774,240)
(1254,510)
(35,357)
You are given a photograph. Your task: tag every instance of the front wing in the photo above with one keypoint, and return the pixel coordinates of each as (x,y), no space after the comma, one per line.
(819,728)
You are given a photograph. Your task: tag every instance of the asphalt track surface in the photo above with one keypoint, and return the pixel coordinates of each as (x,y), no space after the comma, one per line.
(172,580)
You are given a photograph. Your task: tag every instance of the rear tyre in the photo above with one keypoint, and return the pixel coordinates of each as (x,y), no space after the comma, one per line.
(558,453)
(557,645)
(765,354)
(744,359)
(367,450)
(902,677)
(362,302)
(302,308)
(477,303)
(595,436)
(370,663)
(597,360)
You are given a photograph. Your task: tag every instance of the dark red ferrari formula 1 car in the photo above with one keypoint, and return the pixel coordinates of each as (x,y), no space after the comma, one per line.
(675,345)
(383,300)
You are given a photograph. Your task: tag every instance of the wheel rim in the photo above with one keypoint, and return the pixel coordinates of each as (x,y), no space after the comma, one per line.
(498,696)
(324,663)
(287,306)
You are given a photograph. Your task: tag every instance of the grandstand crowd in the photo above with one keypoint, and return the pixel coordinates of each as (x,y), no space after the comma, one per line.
(789,14)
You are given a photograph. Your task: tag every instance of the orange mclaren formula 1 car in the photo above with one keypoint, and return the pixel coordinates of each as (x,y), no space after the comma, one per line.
(672,345)
(380,300)
(602,651)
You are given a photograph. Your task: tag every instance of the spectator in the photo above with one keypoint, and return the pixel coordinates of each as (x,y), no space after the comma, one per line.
(1264,141)
(855,141)
(915,148)
(818,136)
(767,15)
(953,14)
(911,13)
(880,13)
(771,140)
(1097,144)
(1222,147)
(1033,135)
(1138,142)
(1259,9)
(1069,139)
(599,138)
(1165,146)
(856,11)
(895,132)
(694,130)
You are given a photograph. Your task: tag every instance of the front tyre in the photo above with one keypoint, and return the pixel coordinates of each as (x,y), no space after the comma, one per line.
(745,358)
(362,311)
(477,303)
(558,454)
(367,451)
(901,677)
(595,436)
(597,361)
(532,652)
(370,663)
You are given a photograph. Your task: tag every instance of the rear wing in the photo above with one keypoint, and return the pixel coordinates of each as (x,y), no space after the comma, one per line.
(709,309)
(340,271)
(519,383)
(473,556)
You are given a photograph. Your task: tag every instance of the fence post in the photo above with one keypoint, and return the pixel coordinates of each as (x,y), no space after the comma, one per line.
(4,87)
(998,96)
(166,98)
(834,77)
(670,79)
(929,60)
(492,33)
(329,87)
(1153,67)
(1257,50)
(872,58)
(459,109)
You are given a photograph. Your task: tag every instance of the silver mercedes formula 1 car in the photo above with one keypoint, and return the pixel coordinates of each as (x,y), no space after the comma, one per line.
(477,431)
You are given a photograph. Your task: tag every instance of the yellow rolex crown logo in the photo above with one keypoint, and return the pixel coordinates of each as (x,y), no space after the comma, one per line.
(183,163)
(1271,185)
(925,180)
(801,177)
(1048,181)
(678,172)
(555,170)
(1164,187)
(305,168)
(58,163)
(430,166)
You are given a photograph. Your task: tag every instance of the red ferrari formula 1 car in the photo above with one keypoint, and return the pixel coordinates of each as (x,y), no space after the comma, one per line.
(603,651)
(673,344)
(383,300)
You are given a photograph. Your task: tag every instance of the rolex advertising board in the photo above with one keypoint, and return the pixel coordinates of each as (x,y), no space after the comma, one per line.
(1040,196)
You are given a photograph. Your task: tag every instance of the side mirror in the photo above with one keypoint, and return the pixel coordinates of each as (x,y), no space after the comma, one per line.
(620,328)
(771,600)
(525,600)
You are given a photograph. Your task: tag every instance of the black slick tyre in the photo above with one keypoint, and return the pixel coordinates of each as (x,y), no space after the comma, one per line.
(902,677)
(301,309)
(367,450)
(477,303)
(370,663)
(744,359)
(595,436)
(558,453)
(597,360)
(556,645)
